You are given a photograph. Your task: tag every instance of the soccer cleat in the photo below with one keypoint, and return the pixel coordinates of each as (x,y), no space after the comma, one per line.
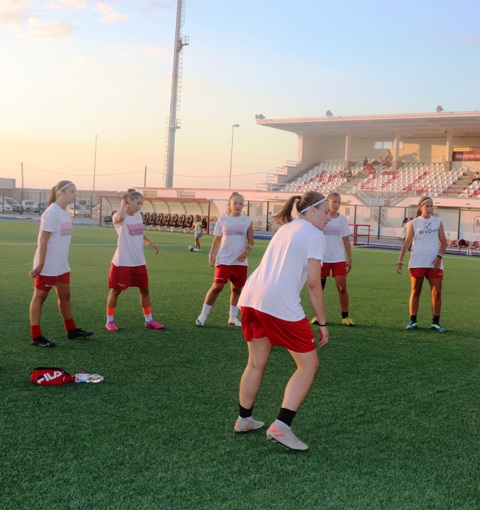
(110,326)
(243,425)
(314,321)
(41,341)
(436,326)
(282,433)
(233,321)
(196,249)
(201,319)
(412,325)
(154,325)
(348,322)
(78,333)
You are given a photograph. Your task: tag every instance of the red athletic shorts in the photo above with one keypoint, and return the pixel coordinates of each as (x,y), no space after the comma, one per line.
(294,336)
(47,282)
(122,277)
(236,274)
(336,268)
(426,272)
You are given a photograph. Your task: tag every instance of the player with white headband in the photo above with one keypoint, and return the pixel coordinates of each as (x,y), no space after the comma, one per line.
(426,261)
(272,314)
(50,265)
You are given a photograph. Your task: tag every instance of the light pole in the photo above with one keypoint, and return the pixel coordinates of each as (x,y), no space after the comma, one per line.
(231,157)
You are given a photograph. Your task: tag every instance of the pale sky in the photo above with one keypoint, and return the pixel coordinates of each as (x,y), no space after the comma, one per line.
(76,71)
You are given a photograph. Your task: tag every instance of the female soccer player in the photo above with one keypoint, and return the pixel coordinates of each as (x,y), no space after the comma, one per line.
(50,265)
(198,226)
(128,268)
(337,235)
(429,244)
(272,313)
(229,256)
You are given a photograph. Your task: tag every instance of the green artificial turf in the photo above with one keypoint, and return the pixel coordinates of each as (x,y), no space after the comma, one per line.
(392,419)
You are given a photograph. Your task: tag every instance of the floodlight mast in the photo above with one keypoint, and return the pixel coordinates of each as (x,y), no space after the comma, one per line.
(172,123)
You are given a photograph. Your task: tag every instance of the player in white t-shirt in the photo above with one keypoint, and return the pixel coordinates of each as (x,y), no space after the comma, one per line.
(272,314)
(128,267)
(228,254)
(337,235)
(429,244)
(50,264)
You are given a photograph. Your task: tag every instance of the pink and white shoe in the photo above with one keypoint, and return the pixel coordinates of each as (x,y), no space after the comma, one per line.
(154,325)
(110,326)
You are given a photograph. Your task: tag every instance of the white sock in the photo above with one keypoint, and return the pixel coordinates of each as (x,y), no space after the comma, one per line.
(206,309)
(233,312)
(148,317)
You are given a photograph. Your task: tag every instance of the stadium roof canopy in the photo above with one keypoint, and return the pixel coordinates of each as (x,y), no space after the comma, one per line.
(411,125)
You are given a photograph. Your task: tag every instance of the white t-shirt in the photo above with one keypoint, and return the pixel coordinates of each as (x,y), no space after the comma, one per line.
(275,286)
(130,250)
(425,242)
(335,230)
(59,222)
(233,230)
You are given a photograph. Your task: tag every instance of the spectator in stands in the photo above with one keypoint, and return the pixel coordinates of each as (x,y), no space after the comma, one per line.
(337,236)
(365,162)
(228,254)
(272,314)
(476,177)
(426,261)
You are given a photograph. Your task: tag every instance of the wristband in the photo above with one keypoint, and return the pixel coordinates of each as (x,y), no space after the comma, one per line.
(439,256)
(322,325)
(399,263)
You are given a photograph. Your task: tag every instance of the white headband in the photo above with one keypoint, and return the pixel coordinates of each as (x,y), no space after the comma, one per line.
(65,186)
(426,200)
(313,205)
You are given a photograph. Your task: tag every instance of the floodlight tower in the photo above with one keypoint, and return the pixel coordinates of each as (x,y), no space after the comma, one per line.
(172,123)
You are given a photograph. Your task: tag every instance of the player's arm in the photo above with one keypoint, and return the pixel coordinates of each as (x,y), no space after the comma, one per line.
(42,253)
(120,215)
(150,243)
(443,246)
(405,246)
(315,292)
(348,251)
(213,250)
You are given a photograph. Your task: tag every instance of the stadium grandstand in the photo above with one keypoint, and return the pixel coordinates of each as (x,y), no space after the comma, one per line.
(382,159)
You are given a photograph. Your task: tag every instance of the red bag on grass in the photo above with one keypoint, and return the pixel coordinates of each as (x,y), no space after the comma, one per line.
(50,376)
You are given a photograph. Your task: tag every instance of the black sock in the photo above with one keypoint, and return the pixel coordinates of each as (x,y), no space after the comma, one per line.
(413,318)
(286,415)
(436,319)
(344,315)
(324,281)
(245,413)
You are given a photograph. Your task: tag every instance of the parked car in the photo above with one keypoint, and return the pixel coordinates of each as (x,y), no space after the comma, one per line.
(42,206)
(14,204)
(78,211)
(5,207)
(30,206)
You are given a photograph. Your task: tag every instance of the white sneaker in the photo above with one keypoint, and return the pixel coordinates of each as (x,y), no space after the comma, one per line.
(201,319)
(282,433)
(247,424)
(196,249)
(233,321)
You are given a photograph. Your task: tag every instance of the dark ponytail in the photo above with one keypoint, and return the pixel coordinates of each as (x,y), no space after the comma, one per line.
(302,202)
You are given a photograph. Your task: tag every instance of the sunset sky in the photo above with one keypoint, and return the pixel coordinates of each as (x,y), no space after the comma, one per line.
(76,71)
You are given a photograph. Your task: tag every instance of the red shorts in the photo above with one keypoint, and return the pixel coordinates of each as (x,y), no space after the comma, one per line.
(426,272)
(122,277)
(47,282)
(294,336)
(236,274)
(336,268)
